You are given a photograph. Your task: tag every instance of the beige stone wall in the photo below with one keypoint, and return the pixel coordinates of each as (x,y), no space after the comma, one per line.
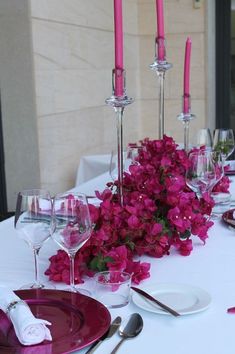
(73,50)
(73,59)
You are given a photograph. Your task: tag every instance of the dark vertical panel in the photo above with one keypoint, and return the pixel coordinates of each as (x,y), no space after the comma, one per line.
(223,62)
(3,198)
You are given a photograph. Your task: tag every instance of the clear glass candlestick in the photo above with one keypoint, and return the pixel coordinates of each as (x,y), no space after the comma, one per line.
(160,66)
(119,103)
(185,118)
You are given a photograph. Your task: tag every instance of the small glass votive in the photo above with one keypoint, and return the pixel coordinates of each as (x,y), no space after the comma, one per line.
(112,288)
(222,202)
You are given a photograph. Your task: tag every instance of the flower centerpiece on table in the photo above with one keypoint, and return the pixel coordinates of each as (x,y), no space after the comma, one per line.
(159,212)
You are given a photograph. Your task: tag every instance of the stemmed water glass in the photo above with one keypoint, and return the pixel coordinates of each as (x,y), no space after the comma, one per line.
(203,138)
(223,142)
(130,157)
(113,165)
(219,167)
(201,174)
(132,154)
(71,227)
(32,223)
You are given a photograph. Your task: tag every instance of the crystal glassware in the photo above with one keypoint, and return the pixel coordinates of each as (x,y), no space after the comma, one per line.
(201,174)
(71,227)
(219,167)
(119,102)
(132,154)
(113,166)
(32,223)
(130,157)
(204,139)
(223,142)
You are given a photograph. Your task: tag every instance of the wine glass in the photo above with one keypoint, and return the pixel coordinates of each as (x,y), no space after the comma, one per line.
(71,227)
(223,142)
(201,174)
(32,223)
(132,154)
(203,138)
(219,167)
(113,165)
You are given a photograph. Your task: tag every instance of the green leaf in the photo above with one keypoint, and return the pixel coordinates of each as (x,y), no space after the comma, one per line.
(108,259)
(98,263)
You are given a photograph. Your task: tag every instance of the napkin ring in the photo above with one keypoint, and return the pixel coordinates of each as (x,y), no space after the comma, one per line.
(13,304)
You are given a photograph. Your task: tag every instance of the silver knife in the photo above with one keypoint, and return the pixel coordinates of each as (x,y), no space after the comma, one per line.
(151,298)
(112,329)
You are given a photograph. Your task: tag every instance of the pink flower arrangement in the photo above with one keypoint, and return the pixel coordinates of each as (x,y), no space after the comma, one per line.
(159,212)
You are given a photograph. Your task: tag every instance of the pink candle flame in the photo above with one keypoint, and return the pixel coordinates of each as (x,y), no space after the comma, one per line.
(186,105)
(118,34)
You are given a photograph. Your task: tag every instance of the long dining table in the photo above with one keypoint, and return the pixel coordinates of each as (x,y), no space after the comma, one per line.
(210,267)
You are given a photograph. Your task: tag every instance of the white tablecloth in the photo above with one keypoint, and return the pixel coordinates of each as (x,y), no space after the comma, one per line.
(91,166)
(211,267)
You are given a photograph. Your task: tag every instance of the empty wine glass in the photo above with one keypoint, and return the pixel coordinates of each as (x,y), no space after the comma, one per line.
(132,154)
(223,142)
(32,223)
(219,167)
(71,227)
(113,165)
(201,174)
(204,138)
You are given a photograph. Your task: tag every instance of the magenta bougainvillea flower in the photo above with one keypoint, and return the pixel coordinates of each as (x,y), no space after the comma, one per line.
(160,212)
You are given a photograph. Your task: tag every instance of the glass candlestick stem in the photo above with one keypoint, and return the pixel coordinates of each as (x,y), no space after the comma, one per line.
(119,103)
(160,66)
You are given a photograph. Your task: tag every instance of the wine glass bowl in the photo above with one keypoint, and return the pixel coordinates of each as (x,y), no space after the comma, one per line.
(132,155)
(32,223)
(223,142)
(204,138)
(201,174)
(71,227)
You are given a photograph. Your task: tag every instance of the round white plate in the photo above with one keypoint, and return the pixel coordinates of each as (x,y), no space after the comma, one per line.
(185,299)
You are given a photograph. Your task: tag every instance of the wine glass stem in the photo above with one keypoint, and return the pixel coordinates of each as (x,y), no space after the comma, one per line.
(36,267)
(199,195)
(71,261)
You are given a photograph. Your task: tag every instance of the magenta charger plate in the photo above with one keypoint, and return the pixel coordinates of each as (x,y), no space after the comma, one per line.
(77,321)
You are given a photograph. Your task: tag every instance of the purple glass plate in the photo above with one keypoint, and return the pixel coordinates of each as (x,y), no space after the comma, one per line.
(228,218)
(77,321)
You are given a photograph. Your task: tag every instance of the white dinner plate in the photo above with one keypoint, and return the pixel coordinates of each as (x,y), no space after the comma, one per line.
(185,299)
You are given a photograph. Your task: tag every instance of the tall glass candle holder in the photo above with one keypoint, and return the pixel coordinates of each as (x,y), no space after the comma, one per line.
(185,117)
(119,103)
(160,66)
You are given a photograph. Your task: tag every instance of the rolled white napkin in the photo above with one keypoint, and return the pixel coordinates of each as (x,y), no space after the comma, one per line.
(29,329)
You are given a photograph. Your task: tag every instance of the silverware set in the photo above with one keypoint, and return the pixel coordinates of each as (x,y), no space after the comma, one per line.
(130,328)
(112,329)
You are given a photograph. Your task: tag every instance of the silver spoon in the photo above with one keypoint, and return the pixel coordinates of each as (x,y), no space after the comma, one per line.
(130,328)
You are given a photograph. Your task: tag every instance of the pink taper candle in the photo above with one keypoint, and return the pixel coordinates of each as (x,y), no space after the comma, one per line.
(118,33)
(160,30)
(186,104)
